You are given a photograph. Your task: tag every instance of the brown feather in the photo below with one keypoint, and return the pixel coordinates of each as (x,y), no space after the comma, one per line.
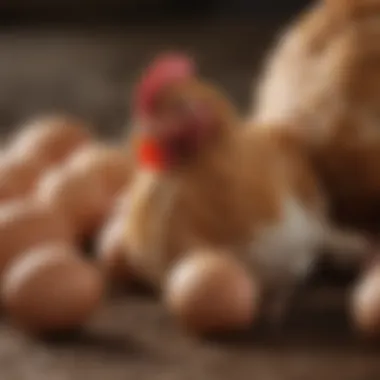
(325,75)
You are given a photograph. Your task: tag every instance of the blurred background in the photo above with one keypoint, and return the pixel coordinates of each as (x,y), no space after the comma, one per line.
(82,57)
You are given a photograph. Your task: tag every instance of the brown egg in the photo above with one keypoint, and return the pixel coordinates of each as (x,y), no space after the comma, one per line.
(49,140)
(18,176)
(82,198)
(51,289)
(365,305)
(24,224)
(110,162)
(110,250)
(210,292)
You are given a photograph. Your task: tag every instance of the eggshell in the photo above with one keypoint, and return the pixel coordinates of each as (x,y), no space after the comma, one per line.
(24,224)
(111,249)
(110,162)
(50,140)
(81,196)
(210,292)
(18,176)
(50,288)
(365,306)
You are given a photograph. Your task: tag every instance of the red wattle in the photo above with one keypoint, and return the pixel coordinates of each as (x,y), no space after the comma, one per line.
(150,155)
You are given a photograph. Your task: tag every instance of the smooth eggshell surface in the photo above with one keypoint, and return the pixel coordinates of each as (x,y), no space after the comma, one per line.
(24,224)
(50,140)
(50,289)
(209,291)
(18,177)
(82,198)
(110,162)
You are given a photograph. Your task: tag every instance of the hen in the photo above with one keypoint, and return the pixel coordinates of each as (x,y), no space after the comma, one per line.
(324,74)
(204,180)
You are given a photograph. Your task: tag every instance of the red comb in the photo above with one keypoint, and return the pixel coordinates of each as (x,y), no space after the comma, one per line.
(164,70)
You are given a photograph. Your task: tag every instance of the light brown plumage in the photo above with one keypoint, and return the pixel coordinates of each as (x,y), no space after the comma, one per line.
(324,74)
(250,190)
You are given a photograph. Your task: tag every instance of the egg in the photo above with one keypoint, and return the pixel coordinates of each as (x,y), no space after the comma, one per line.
(51,289)
(365,302)
(81,196)
(24,224)
(18,177)
(110,162)
(210,292)
(110,250)
(49,140)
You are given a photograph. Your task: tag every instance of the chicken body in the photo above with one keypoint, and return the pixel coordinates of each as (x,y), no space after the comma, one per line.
(220,184)
(253,194)
(324,74)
